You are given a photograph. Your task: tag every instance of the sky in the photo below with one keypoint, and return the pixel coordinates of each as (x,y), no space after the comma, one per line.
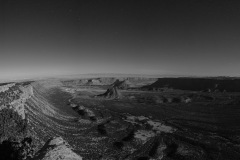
(162,37)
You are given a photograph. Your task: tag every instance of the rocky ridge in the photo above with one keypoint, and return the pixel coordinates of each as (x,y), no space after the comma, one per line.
(14,96)
(16,141)
(56,149)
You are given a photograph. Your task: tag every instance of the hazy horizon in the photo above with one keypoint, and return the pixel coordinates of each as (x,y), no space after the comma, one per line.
(54,38)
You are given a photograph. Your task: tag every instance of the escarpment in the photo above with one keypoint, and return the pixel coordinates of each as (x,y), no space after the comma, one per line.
(12,111)
(14,140)
(19,104)
(13,96)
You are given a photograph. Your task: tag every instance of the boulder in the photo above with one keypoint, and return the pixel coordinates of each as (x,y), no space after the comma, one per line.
(57,149)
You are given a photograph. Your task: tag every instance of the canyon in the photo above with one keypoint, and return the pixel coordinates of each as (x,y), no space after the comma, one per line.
(120,118)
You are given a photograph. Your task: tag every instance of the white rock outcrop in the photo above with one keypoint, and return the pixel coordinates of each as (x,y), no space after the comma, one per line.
(15,98)
(57,149)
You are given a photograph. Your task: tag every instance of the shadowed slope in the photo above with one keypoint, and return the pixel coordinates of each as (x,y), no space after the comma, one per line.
(198,84)
(49,115)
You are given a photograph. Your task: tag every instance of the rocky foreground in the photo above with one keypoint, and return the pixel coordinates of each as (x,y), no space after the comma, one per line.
(38,120)
(56,149)
(15,139)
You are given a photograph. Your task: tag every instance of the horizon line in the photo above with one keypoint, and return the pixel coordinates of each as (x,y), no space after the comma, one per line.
(98,75)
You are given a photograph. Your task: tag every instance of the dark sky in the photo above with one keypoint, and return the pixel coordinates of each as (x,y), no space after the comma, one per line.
(183,37)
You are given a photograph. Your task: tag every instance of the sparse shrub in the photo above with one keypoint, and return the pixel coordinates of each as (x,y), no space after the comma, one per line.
(81,112)
(148,126)
(11,124)
(209,98)
(12,129)
(93,118)
(12,149)
(160,100)
(101,129)
(154,148)
(118,145)
(129,137)
(171,149)
(176,100)
(143,158)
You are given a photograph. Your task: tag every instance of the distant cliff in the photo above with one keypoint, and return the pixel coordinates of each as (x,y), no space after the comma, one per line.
(198,84)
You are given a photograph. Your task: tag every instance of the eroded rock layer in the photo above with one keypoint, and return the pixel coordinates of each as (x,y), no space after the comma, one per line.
(56,149)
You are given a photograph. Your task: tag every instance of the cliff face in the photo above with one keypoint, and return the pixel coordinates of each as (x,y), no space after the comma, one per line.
(198,84)
(17,138)
(13,96)
(13,122)
(14,140)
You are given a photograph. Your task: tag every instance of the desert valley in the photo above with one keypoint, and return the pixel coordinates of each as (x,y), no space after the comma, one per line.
(121,118)
(119,80)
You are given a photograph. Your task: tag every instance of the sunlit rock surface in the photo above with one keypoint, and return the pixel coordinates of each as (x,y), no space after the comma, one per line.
(13,96)
(57,149)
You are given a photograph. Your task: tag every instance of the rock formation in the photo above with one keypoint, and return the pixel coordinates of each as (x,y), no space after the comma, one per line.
(14,140)
(56,149)
(121,84)
(111,93)
(13,96)
(5,87)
